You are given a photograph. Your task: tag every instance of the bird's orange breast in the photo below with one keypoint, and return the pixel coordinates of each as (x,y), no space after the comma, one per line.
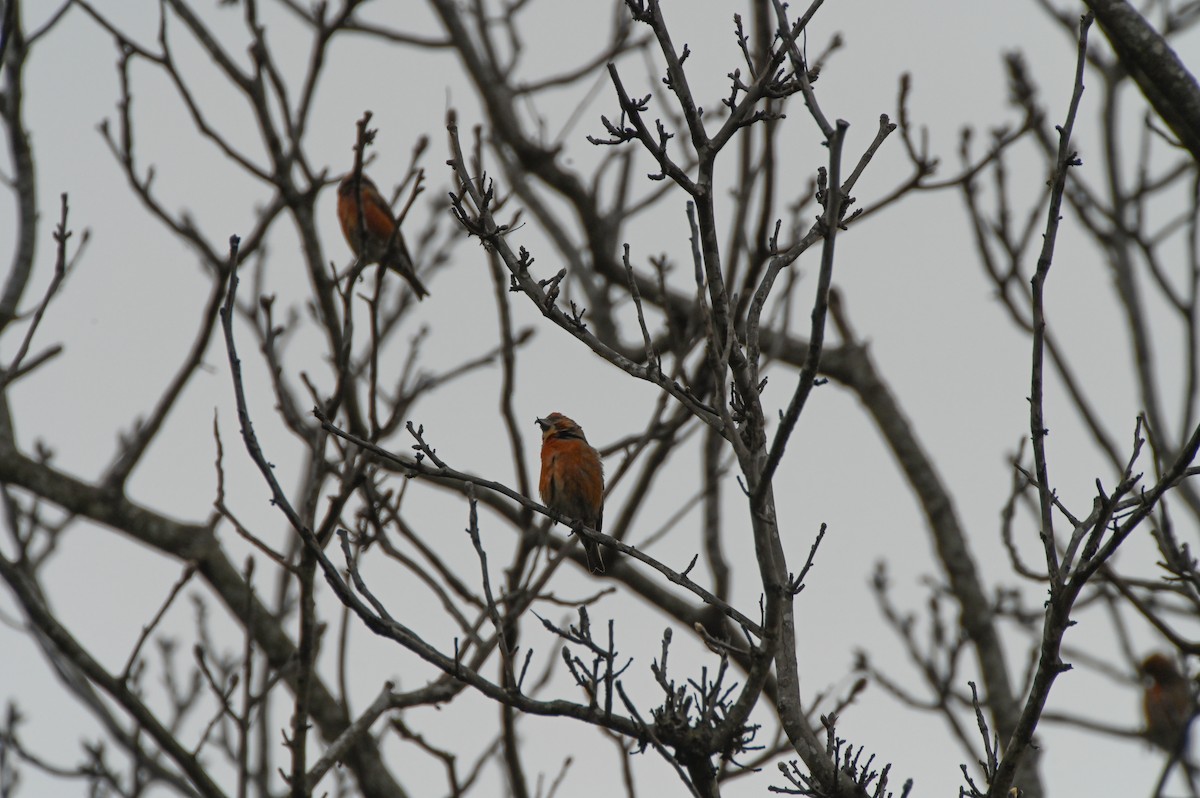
(572,479)
(377,223)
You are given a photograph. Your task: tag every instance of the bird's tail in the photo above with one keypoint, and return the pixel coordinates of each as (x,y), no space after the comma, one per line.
(403,265)
(591,550)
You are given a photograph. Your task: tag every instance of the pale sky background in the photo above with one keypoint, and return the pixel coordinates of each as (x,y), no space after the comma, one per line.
(910,277)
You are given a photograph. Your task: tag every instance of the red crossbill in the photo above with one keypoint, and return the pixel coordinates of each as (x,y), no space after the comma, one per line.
(380,241)
(1167,704)
(572,481)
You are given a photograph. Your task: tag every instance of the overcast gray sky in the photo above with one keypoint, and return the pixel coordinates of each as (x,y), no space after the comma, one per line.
(913,286)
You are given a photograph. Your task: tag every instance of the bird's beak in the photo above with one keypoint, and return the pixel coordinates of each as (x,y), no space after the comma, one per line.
(542,423)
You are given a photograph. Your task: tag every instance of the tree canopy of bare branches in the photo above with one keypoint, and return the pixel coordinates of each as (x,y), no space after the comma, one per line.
(817,348)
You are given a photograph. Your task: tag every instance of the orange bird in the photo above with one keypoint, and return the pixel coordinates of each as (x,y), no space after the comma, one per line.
(382,242)
(572,481)
(1167,703)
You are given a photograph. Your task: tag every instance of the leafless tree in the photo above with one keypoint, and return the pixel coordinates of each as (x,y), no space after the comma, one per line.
(705,330)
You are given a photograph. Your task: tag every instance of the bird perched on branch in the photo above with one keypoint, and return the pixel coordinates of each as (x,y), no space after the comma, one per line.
(375,238)
(1167,703)
(572,481)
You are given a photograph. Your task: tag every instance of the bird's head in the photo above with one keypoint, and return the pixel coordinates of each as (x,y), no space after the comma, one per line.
(1161,669)
(346,187)
(556,425)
